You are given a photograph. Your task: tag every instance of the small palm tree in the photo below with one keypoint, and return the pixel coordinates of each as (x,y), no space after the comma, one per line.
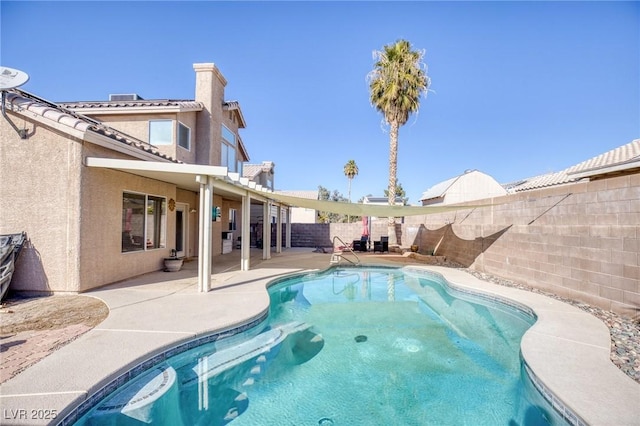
(397,81)
(350,171)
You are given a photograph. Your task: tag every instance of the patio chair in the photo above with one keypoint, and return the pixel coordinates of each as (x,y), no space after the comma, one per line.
(363,243)
(382,245)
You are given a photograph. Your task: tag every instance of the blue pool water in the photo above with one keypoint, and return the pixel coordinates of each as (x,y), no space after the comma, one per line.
(348,346)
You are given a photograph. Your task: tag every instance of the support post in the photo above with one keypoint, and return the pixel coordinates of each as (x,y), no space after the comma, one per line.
(288,228)
(245,233)
(204,243)
(266,231)
(279,230)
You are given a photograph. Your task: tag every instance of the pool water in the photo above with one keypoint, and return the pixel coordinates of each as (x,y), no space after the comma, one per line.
(348,346)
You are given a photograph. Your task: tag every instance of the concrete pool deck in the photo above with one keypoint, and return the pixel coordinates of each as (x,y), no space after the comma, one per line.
(567,349)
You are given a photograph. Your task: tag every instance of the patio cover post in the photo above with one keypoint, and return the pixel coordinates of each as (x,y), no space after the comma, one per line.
(279,230)
(266,230)
(288,228)
(204,241)
(245,236)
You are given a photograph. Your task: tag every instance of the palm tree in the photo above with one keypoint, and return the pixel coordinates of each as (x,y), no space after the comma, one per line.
(396,82)
(350,171)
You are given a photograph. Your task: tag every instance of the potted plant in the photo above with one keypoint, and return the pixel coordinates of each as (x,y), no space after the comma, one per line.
(173,263)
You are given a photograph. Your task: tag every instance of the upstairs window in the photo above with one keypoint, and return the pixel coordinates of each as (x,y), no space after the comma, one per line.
(161,132)
(184,136)
(228,150)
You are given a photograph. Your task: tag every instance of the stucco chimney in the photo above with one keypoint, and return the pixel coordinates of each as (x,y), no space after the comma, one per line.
(210,85)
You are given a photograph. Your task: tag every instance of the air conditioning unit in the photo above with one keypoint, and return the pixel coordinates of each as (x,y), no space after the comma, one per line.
(126,97)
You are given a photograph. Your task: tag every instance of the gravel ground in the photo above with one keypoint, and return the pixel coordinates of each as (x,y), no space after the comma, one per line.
(625,332)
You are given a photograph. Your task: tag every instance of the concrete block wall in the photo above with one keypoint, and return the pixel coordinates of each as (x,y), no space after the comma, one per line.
(322,234)
(310,235)
(581,241)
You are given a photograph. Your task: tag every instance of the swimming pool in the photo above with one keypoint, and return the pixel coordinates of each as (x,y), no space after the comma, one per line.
(348,346)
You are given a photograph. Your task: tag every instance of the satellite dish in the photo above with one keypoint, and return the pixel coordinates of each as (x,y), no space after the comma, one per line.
(10,78)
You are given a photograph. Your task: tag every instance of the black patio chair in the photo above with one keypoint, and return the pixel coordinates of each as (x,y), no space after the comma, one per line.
(382,245)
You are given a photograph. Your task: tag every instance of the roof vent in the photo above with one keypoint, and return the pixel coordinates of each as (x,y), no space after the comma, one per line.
(125,97)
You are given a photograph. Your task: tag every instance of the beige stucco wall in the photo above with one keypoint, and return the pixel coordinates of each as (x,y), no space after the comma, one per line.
(72,214)
(40,193)
(302,215)
(137,125)
(581,241)
(102,260)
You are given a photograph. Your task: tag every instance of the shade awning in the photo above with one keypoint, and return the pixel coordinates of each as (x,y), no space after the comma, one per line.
(358,209)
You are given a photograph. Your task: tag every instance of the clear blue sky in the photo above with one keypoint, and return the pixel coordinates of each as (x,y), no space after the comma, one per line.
(518,88)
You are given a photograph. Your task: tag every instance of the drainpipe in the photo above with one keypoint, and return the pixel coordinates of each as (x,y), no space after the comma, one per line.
(21,132)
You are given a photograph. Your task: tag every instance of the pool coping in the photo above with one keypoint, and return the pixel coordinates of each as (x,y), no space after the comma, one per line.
(567,356)
(566,352)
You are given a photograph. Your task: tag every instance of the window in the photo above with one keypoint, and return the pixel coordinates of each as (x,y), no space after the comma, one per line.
(232,219)
(144,222)
(184,136)
(161,132)
(228,151)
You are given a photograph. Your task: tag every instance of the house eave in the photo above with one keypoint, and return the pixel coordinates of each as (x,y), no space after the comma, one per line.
(617,168)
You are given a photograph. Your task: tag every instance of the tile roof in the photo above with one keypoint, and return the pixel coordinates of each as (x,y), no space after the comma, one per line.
(542,181)
(252,170)
(140,103)
(621,158)
(235,106)
(19,100)
(625,157)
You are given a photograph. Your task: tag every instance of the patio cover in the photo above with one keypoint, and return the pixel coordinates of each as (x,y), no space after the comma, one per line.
(207,179)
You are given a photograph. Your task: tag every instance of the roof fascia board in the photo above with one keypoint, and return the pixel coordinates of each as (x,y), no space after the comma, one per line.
(243,124)
(604,170)
(107,142)
(242,148)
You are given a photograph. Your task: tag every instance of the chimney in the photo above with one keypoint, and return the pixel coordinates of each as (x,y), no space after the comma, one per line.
(210,84)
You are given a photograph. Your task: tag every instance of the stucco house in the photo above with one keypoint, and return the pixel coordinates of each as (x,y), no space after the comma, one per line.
(262,174)
(469,186)
(302,214)
(106,190)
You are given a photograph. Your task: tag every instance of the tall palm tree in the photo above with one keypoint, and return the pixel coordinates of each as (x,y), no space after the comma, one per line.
(350,171)
(397,81)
